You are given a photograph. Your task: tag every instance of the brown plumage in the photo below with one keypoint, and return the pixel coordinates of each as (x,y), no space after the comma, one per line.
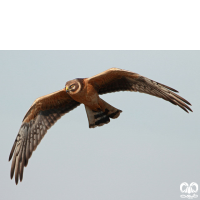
(46,110)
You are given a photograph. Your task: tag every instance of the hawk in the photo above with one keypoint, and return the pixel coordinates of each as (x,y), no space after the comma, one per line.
(46,110)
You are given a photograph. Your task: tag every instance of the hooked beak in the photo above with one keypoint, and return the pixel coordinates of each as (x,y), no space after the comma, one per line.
(67,89)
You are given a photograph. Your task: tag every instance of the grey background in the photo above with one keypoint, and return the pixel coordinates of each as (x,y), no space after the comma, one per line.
(146,153)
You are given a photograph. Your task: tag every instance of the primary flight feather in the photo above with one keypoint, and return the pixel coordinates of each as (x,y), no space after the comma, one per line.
(46,110)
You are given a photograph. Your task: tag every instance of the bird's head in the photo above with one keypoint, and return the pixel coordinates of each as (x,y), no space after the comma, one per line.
(72,86)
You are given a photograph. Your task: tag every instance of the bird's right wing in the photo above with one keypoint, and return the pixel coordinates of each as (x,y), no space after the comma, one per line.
(43,113)
(115,80)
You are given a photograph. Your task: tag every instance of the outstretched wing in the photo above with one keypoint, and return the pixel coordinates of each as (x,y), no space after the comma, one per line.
(43,113)
(114,80)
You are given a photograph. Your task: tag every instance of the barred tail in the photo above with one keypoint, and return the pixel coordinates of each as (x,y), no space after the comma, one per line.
(100,117)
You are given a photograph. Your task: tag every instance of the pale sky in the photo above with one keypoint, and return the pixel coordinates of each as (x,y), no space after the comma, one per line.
(145,154)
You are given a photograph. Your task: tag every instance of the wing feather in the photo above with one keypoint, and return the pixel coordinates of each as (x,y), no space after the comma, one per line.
(13,166)
(114,80)
(43,114)
(22,161)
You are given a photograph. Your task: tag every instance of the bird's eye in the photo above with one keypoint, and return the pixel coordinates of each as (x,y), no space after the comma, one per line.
(72,86)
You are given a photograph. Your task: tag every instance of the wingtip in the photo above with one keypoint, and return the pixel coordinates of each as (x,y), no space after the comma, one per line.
(187,102)
(188,109)
(11,175)
(9,158)
(172,89)
(16,180)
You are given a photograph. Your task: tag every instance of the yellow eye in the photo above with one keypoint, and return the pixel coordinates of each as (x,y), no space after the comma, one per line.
(72,86)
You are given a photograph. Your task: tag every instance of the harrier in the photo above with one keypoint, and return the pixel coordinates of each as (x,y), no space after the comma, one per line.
(46,110)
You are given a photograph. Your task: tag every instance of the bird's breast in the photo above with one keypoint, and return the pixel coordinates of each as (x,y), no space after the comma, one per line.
(88,95)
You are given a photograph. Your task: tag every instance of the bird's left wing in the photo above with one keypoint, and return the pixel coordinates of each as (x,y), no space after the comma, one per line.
(115,80)
(43,113)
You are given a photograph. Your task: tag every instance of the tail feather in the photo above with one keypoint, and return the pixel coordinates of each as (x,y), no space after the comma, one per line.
(100,117)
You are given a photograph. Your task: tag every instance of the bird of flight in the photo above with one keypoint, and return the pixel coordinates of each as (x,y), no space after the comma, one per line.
(46,110)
